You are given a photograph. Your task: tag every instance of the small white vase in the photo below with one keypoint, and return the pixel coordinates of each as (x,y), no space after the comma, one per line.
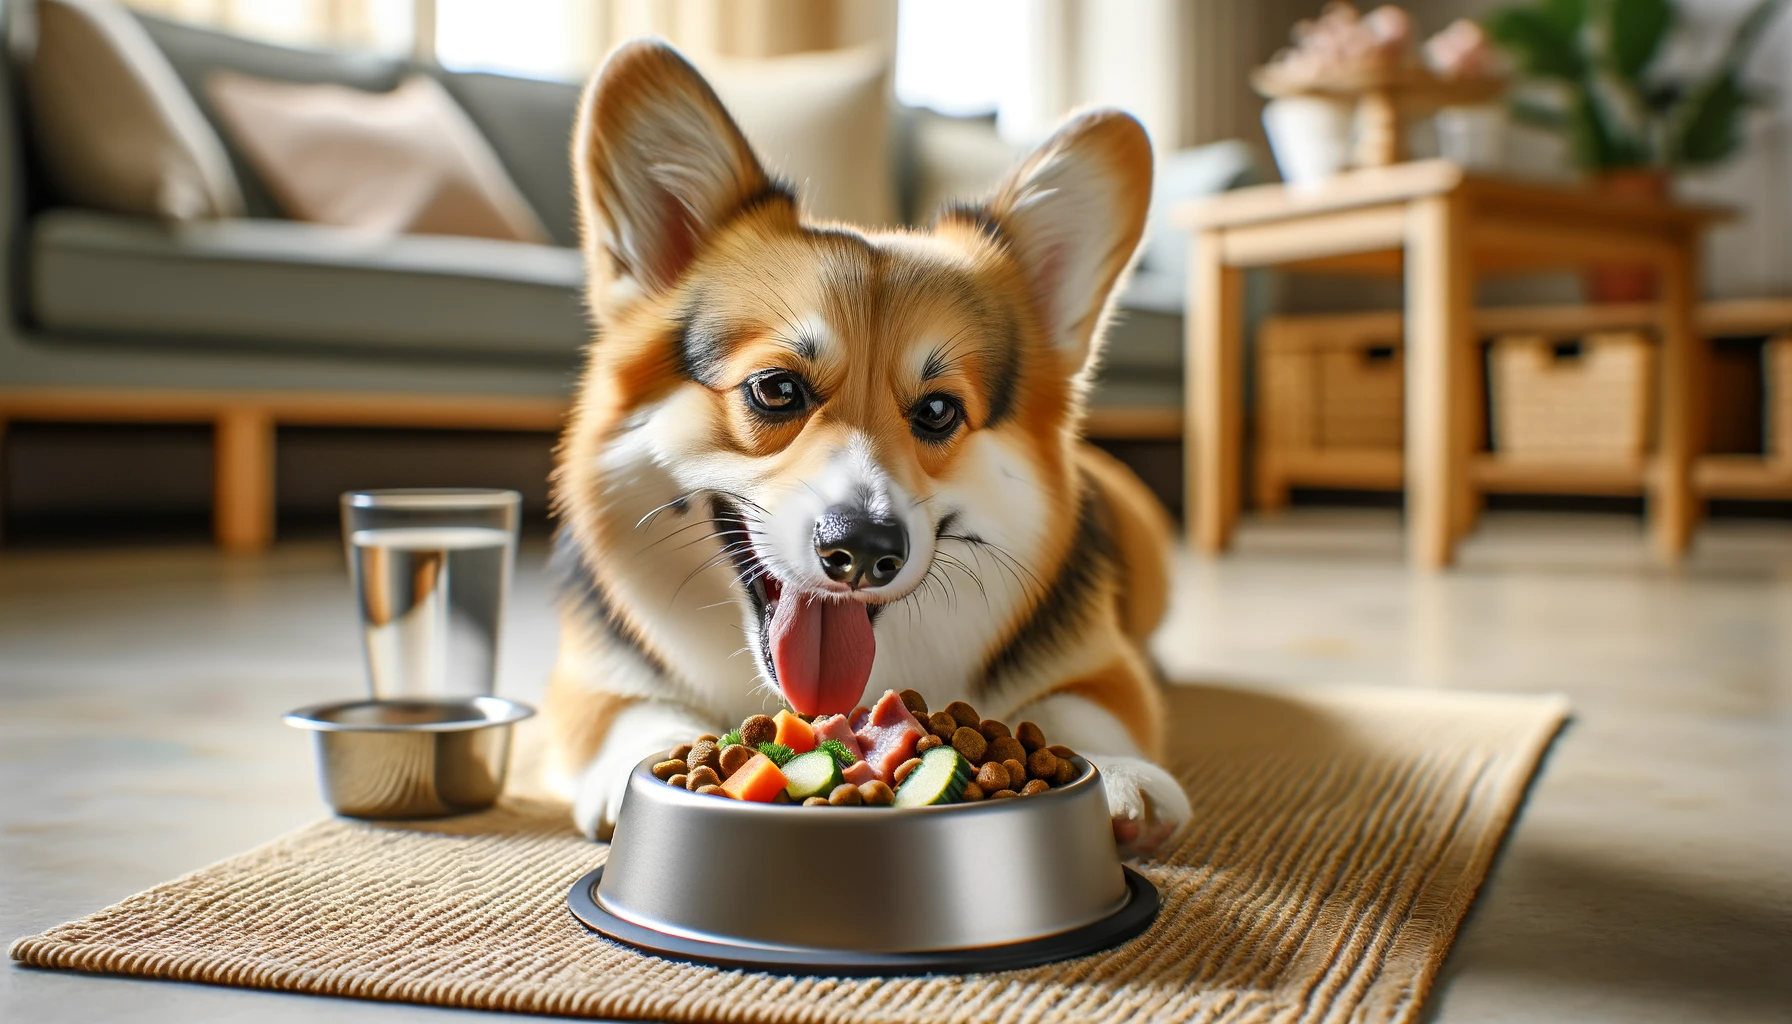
(1474,137)
(1310,137)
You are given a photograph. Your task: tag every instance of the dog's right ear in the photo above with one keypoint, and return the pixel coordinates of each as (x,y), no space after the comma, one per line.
(659,167)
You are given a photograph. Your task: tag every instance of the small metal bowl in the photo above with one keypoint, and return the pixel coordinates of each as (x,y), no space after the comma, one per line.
(977,886)
(411,758)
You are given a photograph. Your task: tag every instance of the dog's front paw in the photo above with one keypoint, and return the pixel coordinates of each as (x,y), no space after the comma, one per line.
(599,798)
(1145,802)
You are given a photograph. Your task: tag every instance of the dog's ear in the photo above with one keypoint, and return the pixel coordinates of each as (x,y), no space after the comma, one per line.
(659,166)
(1074,211)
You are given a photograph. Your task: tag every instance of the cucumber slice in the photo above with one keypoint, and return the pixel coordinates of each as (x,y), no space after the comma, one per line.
(812,774)
(940,778)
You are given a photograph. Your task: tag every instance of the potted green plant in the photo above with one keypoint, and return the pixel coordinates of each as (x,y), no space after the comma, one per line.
(1629,124)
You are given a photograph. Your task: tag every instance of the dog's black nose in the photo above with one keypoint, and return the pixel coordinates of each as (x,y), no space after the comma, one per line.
(858,548)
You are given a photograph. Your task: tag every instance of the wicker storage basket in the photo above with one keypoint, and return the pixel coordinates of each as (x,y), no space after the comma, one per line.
(1330,404)
(1329,390)
(1776,360)
(1573,401)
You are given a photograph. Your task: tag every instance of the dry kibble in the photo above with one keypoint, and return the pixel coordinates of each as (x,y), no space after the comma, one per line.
(905,767)
(816,801)
(942,725)
(709,737)
(1006,749)
(963,713)
(666,769)
(846,795)
(992,730)
(1030,736)
(877,793)
(1042,764)
(1017,773)
(732,757)
(972,793)
(704,754)
(1002,794)
(926,743)
(758,729)
(704,776)
(681,781)
(780,797)
(680,752)
(992,777)
(1066,772)
(1061,751)
(1035,787)
(711,791)
(914,703)
(970,743)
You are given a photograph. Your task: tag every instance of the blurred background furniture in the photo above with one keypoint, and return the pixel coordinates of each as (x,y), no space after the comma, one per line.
(259,321)
(1441,229)
(1562,418)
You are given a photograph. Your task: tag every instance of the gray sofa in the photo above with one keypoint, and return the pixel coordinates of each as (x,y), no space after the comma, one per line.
(264,320)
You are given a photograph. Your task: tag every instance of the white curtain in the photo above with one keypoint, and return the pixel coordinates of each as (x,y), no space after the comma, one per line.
(1181,66)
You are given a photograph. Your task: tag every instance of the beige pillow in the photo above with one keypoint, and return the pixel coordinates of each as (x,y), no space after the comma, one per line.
(408,161)
(116,128)
(820,120)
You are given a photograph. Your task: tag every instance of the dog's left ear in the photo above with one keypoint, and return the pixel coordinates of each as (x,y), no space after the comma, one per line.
(1074,211)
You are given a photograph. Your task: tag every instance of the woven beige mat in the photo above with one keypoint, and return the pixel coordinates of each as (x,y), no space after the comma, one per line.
(1339,837)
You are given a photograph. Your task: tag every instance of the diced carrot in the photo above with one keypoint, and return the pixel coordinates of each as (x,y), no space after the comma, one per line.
(794,733)
(758,780)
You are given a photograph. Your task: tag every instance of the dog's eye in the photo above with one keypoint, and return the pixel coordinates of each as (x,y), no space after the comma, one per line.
(777,393)
(936,417)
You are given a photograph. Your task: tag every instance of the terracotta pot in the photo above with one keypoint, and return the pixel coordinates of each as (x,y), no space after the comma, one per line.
(1627,282)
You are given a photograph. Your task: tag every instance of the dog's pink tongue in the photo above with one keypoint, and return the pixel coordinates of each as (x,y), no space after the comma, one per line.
(822,651)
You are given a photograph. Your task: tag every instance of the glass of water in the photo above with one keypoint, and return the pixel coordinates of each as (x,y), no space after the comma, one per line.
(430,570)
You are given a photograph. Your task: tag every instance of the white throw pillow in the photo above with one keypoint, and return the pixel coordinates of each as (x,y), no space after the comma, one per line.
(822,121)
(116,128)
(409,161)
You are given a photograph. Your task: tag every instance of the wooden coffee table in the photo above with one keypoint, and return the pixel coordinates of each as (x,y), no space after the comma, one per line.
(1442,229)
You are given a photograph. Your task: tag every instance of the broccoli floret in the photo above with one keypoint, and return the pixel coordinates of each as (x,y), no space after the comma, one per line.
(838,750)
(729,739)
(779,753)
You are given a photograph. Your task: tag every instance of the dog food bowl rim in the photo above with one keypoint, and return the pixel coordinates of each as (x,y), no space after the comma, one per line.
(493,711)
(1087,775)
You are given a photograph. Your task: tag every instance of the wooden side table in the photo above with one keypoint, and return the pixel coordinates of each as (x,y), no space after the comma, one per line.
(1441,228)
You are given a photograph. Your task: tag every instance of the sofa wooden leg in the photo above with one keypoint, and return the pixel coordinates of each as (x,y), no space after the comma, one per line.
(243,480)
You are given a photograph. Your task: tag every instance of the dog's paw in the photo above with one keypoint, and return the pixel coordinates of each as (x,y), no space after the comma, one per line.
(1145,802)
(599,798)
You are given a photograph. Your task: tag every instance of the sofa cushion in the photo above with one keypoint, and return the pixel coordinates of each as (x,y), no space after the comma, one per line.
(116,128)
(408,161)
(287,284)
(196,53)
(821,121)
(529,124)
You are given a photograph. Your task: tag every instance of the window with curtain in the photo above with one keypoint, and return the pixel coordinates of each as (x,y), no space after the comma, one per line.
(970,59)
(382,25)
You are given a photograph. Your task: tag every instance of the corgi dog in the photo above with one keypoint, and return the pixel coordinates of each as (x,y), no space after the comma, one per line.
(810,462)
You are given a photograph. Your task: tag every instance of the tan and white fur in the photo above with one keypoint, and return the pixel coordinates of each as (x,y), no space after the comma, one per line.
(1035,566)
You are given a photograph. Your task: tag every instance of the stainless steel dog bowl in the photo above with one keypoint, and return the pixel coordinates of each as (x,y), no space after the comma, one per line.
(980,886)
(411,758)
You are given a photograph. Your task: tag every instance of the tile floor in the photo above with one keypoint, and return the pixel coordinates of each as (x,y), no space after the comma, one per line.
(1649,879)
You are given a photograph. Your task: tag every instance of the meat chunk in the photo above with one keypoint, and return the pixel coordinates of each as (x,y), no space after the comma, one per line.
(888,736)
(836,727)
(859,774)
